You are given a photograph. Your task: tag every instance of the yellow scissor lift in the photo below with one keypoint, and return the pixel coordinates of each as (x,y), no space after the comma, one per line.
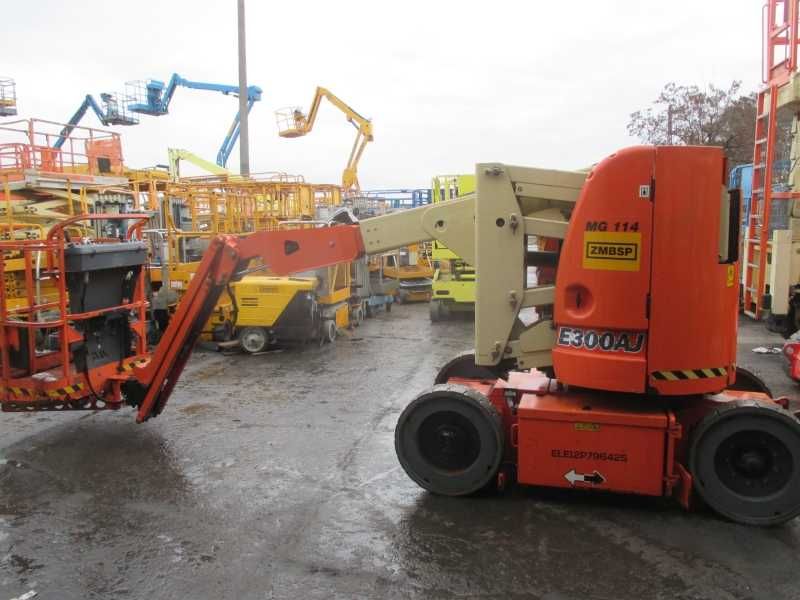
(411,266)
(259,309)
(453,286)
(41,186)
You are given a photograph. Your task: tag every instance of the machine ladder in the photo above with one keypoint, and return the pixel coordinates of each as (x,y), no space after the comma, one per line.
(780,53)
(757,237)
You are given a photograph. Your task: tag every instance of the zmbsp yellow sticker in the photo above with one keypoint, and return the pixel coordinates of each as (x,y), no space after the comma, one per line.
(612,250)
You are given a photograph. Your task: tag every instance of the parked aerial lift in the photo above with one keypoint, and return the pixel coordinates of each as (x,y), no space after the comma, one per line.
(8,97)
(453,282)
(261,309)
(631,387)
(309,306)
(111,110)
(293,122)
(411,266)
(398,198)
(372,290)
(152,97)
(771,256)
(176,155)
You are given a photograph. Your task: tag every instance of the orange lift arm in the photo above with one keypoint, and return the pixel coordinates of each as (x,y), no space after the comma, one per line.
(226,260)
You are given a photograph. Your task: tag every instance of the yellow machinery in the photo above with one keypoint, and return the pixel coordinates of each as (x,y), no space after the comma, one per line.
(176,155)
(192,211)
(293,122)
(41,185)
(298,309)
(8,97)
(412,268)
(453,287)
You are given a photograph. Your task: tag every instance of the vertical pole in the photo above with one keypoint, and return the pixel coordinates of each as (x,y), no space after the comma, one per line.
(244,140)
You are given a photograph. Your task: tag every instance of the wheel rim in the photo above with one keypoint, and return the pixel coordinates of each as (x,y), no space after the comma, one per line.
(253,340)
(744,460)
(449,441)
(753,463)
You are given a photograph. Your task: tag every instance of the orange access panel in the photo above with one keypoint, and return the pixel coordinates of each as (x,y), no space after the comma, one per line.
(586,441)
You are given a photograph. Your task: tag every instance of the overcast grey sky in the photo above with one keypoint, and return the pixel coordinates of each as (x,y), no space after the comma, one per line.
(447,84)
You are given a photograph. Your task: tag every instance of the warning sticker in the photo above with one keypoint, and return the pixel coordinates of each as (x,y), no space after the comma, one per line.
(612,251)
(731,275)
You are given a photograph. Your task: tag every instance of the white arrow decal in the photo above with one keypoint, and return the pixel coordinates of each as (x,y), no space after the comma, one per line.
(594,478)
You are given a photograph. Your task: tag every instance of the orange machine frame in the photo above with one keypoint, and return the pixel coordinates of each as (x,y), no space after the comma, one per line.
(53,382)
(146,379)
(640,276)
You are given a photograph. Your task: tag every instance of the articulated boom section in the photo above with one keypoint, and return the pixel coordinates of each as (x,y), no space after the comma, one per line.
(496,232)
(227,260)
(518,205)
(509,226)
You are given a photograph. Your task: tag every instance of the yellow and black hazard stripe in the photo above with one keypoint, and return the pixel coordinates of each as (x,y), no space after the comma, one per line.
(67,390)
(19,392)
(684,374)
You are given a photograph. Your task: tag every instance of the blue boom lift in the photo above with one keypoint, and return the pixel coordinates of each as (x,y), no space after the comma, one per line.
(113,112)
(152,97)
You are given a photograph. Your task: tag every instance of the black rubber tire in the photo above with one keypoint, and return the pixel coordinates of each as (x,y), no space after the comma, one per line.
(388,306)
(435,310)
(425,434)
(329,331)
(369,311)
(737,432)
(253,339)
(463,365)
(747,381)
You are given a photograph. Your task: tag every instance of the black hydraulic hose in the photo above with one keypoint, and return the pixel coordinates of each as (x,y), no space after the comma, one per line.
(235,309)
(86,343)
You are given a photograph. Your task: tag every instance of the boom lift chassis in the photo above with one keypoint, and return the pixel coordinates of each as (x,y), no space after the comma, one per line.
(628,381)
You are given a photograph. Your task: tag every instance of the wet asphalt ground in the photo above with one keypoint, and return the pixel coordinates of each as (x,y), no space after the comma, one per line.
(274,476)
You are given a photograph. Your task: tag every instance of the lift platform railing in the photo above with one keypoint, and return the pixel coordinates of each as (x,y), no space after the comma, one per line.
(28,144)
(38,339)
(291,121)
(8,97)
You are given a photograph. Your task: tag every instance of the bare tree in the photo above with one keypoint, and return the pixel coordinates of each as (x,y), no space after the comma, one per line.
(687,115)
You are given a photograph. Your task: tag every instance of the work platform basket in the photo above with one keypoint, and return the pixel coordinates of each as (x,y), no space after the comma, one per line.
(291,122)
(8,97)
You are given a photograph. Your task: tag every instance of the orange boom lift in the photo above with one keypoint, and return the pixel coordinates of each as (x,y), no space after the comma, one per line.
(626,383)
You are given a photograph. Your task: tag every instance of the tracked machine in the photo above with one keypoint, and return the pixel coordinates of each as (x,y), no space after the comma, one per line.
(627,383)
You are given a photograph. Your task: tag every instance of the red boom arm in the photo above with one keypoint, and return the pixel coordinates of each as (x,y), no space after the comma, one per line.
(226,260)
